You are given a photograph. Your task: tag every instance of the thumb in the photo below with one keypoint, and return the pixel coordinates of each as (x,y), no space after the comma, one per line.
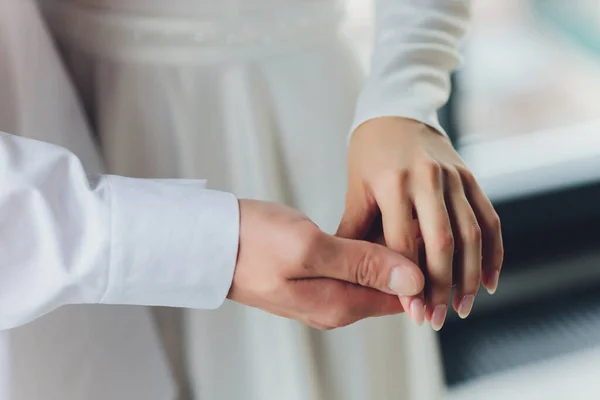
(371,265)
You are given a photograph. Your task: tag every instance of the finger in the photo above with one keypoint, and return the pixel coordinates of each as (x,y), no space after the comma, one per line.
(491,232)
(331,303)
(376,234)
(416,303)
(467,234)
(359,213)
(396,209)
(397,218)
(439,243)
(366,264)
(414,306)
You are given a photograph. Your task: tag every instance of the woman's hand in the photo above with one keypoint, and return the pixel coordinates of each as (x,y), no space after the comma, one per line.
(399,170)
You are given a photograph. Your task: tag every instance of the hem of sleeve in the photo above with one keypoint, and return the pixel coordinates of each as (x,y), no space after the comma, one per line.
(173,243)
(428,118)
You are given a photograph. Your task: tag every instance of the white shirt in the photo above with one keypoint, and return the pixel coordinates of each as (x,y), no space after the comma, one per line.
(70,238)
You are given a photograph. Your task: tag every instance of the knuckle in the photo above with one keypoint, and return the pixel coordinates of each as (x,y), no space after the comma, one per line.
(402,178)
(312,239)
(313,236)
(472,234)
(453,177)
(440,281)
(453,182)
(432,172)
(445,241)
(406,243)
(499,257)
(431,166)
(367,269)
(495,222)
(466,175)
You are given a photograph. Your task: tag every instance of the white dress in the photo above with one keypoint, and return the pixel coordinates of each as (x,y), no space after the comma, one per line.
(258,97)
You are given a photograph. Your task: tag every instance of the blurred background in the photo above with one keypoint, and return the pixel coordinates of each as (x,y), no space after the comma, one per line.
(525,115)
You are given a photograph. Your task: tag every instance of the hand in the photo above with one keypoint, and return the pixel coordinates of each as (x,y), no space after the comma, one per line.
(288,267)
(402,170)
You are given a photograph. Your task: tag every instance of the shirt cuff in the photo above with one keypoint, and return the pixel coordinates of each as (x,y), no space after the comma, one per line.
(173,243)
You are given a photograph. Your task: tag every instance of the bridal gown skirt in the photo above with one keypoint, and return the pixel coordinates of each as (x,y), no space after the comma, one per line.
(257,101)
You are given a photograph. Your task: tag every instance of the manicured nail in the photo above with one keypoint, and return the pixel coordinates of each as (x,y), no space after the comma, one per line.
(493,283)
(417,311)
(438,317)
(465,306)
(403,282)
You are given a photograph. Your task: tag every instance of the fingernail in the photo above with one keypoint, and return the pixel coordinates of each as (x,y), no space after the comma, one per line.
(493,283)
(465,306)
(438,317)
(403,282)
(417,311)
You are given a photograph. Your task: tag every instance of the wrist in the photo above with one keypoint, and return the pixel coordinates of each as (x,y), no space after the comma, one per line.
(384,128)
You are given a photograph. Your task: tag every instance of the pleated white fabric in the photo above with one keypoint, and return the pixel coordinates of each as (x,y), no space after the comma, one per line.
(256,96)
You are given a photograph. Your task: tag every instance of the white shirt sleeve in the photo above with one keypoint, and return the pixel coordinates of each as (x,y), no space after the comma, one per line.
(69,238)
(415,50)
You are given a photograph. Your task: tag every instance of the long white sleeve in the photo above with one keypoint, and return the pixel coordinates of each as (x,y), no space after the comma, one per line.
(68,238)
(415,50)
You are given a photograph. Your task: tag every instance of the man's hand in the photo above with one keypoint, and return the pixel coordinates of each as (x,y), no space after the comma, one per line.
(288,267)
(405,172)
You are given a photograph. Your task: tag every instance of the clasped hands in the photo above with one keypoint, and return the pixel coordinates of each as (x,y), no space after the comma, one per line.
(416,224)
